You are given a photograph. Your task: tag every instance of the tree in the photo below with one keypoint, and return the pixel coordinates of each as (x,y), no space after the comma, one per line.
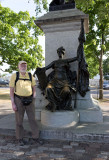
(97,43)
(19,39)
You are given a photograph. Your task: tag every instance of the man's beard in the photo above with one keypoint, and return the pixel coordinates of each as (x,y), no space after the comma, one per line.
(23,71)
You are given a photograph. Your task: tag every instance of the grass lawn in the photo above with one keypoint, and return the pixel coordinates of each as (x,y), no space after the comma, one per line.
(4,94)
(5,102)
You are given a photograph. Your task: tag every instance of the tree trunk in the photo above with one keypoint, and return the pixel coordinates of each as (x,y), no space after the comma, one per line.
(101,71)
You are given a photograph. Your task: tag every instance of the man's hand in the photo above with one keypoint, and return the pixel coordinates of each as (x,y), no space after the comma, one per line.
(14,107)
(34,91)
(34,96)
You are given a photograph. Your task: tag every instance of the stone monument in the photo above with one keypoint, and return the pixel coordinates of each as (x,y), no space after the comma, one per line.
(62,25)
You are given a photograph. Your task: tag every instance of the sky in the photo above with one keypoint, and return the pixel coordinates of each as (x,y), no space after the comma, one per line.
(21,5)
(17,5)
(24,5)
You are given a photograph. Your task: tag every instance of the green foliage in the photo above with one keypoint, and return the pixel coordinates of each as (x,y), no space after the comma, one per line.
(19,39)
(97,40)
(40,5)
(106,66)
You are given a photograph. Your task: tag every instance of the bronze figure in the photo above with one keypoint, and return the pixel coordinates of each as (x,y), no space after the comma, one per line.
(60,2)
(61,5)
(61,83)
(57,2)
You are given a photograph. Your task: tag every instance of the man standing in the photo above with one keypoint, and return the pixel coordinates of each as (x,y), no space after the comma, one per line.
(23,93)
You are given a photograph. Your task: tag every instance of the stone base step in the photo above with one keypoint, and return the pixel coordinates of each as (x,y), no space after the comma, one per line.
(69,136)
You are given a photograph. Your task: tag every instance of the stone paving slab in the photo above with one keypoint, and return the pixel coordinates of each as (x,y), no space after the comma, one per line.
(52,150)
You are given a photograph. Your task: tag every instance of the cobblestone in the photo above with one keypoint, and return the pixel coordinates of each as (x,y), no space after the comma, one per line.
(67,146)
(52,150)
(80,151)
(55,149)
(73,144)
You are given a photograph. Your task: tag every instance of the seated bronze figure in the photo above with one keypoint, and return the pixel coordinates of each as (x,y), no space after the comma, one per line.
(60,84)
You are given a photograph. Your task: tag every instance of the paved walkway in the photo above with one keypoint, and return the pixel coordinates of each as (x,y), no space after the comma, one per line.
(54,150)
(7,122)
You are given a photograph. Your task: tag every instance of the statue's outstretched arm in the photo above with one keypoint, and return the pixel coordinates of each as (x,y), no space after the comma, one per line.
(49,66)
(39,70)
(72,59)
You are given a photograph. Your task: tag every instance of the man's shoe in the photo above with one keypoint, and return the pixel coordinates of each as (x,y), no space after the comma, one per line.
(38,140)
(34,140)
(22,142)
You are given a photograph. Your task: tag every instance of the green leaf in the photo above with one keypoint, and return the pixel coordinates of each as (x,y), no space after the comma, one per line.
(19,39)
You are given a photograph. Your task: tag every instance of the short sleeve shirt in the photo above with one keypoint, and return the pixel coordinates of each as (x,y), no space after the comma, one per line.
(23,87)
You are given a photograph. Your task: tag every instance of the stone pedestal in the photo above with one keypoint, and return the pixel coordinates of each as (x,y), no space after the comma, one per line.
(62,28)
(89,109)
(40,103)
(59,119)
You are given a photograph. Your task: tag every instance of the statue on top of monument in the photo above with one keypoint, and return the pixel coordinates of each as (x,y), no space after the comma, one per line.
(61,2)
(61,5)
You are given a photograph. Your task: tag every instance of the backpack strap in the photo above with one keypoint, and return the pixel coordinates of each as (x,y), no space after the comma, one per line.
(17,77)
(30,76)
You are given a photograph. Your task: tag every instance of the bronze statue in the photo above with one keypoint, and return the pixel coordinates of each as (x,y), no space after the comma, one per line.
(57,2)
(60,2)
(61,5)
(61,82)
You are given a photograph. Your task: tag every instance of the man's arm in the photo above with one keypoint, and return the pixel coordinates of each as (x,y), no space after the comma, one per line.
(12,99)
(34,91)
